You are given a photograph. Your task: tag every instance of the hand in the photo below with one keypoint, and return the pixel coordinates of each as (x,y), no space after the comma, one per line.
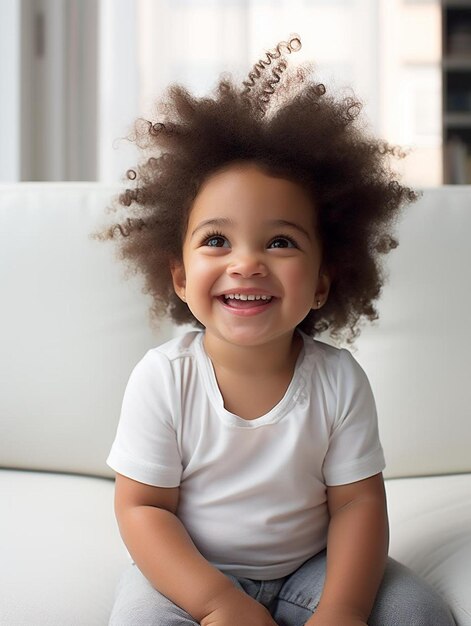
(334,617)
(237,608)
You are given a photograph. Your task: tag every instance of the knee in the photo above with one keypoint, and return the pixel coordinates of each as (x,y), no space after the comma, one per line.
(143,613)
(431,610)
(137,603)
(404,598)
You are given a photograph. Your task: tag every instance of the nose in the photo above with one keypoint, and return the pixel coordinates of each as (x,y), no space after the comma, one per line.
(247,264)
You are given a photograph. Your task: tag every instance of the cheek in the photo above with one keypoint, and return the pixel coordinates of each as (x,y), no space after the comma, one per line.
(200,270)
(300,281)
(300,273)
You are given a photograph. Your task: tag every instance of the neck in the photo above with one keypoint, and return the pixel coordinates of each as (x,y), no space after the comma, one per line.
(261,361)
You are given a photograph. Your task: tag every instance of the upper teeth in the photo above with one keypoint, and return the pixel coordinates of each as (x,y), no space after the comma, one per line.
(243,296)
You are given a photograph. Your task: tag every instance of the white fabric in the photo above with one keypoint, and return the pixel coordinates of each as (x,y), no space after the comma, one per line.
(71,328)
(417,355)
(248,485)
(430,521)
(61,553)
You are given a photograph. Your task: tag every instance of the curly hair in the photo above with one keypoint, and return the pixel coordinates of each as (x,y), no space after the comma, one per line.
(287,125)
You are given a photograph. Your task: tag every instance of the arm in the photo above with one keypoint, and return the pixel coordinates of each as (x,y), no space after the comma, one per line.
(164,552)
(357,547)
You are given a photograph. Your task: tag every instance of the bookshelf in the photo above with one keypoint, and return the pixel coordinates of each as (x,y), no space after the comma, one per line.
(456,82)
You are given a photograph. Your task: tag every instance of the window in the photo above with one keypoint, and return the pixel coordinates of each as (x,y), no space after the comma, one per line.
(80,71)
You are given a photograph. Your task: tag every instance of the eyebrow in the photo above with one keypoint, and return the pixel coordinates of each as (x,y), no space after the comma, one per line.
(217,222)
(291,225)
(220,222)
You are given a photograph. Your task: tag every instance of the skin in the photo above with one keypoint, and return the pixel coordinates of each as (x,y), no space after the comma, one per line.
(251,231)
(266,241)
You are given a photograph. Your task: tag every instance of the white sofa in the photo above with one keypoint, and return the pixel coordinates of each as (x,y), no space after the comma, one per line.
(71,330)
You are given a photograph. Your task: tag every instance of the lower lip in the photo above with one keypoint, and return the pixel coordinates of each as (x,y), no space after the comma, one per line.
(248,311)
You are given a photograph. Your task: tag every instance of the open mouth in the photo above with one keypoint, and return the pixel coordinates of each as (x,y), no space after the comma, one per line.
(243,301)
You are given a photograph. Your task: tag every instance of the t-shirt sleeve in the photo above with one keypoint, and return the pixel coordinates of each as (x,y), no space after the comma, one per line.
(354,451)
(146,447)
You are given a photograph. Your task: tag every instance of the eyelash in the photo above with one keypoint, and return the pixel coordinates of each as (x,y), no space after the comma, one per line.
(288,238)
(211,235)
(215,234)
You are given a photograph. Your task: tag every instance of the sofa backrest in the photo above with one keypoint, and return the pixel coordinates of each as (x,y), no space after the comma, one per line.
(72,328)
(418,355)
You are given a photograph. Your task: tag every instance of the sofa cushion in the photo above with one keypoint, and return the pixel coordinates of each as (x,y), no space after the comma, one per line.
(62,555)
(430,521)
(61,550)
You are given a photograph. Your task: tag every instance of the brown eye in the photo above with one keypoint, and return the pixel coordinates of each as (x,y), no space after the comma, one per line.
(283,242)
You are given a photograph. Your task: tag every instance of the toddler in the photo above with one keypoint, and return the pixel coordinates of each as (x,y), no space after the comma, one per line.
(249,488)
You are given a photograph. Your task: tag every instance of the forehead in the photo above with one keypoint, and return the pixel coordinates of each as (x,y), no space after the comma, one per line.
(247,186)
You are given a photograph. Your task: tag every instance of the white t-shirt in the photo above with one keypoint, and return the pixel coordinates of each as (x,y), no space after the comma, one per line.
(252,492)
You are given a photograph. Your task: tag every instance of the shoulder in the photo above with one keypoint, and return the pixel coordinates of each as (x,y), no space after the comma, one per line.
(326,355)
(164,362)
(181,347)
(335,365)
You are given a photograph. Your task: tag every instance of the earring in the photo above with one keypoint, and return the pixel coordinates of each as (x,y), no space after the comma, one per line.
(318,303)
(183,298)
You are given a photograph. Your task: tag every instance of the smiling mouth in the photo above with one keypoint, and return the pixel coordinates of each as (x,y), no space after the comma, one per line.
(243,296)
(243,301)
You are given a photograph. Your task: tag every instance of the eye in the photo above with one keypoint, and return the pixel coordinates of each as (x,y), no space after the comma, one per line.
(215,240)
(283,241)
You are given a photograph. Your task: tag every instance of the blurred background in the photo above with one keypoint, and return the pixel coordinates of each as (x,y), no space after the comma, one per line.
(76,73)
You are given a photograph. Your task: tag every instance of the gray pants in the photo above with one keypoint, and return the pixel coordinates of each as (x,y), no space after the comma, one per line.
(402,600)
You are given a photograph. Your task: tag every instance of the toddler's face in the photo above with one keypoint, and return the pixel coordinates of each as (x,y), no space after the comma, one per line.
(251,257)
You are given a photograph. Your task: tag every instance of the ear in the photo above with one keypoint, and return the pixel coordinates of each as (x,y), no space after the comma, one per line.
(179,279)
(322,289)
